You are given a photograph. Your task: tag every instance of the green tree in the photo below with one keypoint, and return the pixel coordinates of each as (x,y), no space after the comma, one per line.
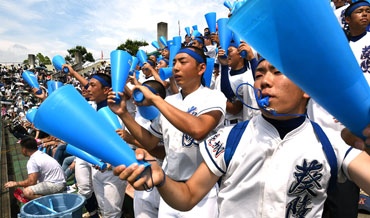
(132,46)
(86,56)
(41,59)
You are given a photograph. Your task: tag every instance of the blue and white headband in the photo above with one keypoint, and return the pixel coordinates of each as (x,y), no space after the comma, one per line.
(354,7)
(192,54)
(101,80)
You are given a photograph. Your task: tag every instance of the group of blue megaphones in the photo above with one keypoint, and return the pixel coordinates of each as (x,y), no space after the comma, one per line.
(335,81)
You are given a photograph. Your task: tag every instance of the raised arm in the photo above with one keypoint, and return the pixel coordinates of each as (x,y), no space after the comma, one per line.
(198,127)
(76,75)
(144,137)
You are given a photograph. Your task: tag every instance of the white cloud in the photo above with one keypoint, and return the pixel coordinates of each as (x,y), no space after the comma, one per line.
(52,27)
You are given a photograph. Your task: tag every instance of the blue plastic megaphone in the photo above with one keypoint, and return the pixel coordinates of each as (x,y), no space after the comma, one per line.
(30,115)
(228,4)
(134,63)
(110,117)
(163,41)
(187,30)
(207,76)
(58,61)
(147,112)
(236,39)
(236,6)
(224,34)
(142,56)
(120,67)
(195,27)
(31,79)
(211,21)
(196,33)
(165,73)
(335,81)
(53,85)
(177,41)
(72,150)
(155,44)
(67,115)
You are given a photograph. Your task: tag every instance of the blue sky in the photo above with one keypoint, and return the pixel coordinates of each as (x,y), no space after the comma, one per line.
(51,27)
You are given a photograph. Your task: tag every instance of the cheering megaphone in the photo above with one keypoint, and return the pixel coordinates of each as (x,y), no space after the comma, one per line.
(228,4)
(335,81)
(224,34)
(120,67)
(31,79)
(134,63)
(72,150)
(58,61)
(147,112)
(110,117)
(195,27)
(236,40)
(163,41)
(30,115)
(177,41)
(143,58)
(155,44)
(53,85)
(211,21)
(207,75)
(67,115)
(187,30)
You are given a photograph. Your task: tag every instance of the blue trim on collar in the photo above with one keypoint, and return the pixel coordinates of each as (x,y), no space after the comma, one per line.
(356,38)
(101,104)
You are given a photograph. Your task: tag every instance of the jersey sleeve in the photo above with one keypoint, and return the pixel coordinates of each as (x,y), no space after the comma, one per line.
(213,151)
(155,127)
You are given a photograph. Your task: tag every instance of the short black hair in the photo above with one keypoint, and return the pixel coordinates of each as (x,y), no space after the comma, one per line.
(29,143)
(157,86)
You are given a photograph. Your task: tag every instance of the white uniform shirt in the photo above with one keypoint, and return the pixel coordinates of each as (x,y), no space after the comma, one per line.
(48,168)
(267,175)
(182,151)
(361,50)
(245,92)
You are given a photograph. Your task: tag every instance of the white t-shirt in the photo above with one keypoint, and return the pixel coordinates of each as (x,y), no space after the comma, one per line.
(48,168)
(182,151)
(268,175)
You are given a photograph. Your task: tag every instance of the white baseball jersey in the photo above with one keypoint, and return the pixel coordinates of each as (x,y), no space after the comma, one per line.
(272,177)
(361,50)
(245,92)
(182,151)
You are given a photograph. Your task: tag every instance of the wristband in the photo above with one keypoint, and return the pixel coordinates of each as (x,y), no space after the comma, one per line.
(163,181)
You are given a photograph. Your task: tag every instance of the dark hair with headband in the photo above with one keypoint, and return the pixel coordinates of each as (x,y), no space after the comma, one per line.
(156,87)
(104,79)
(354,6)
(197,50)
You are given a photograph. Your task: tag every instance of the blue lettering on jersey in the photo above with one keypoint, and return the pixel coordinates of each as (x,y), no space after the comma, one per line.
(307,181)
(365,57)
(188,141)
(217,147)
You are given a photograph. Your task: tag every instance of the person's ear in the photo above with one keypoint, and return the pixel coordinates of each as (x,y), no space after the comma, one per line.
(201,68)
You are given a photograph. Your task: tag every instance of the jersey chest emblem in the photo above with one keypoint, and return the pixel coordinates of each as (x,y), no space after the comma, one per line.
(303,188)
(365,59)
(188,141)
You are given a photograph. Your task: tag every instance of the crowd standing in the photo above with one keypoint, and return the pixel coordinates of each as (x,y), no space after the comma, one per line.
(214,151)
